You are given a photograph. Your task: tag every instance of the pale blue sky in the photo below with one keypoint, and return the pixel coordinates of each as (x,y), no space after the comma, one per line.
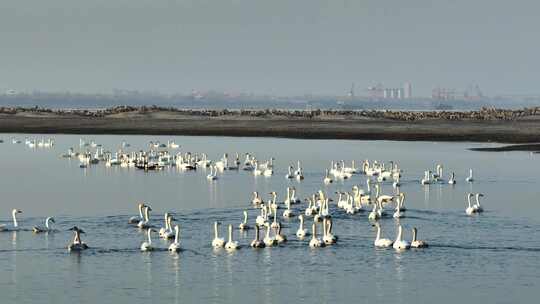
(269,46)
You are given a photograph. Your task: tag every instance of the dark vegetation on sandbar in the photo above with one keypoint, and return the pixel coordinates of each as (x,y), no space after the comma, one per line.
(485,125)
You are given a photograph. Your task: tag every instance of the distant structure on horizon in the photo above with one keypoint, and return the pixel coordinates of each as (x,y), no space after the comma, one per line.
(378,91)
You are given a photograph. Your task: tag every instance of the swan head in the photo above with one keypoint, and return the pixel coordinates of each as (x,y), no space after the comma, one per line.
(76,229)
(15,211)
(50,219)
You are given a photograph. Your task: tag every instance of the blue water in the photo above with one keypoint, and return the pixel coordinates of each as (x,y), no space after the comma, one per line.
(491,257)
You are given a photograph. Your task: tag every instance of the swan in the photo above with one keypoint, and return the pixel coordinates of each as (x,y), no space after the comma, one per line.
(298,169)
(269,241)
(244,225)
(470,178)
(147,246)
(77,244)
(263,217)
(452,180)
(145,223)
(288,212)
(137,219)
(257,200)
(470,209)
(213,173)
(175,246)
(416,243)
(15,227)
(427,178)
(290,174)
(327,180)
(273,204)
(349,207)
(301,232)
(374,215)
(315,241)
(169,232)
(477,206)
(381,242)
(400,200)
(217,242)
(294,199)
(257,243)
(328,237)
(280,238)
(310,210)
(47,228)
(162,230)
(399,243)
(341,202)
(231,245)
(256,170)
(274,224)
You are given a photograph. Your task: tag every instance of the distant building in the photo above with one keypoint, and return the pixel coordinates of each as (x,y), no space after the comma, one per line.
(407,90)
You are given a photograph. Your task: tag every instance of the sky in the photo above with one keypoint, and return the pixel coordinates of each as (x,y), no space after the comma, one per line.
(279,47)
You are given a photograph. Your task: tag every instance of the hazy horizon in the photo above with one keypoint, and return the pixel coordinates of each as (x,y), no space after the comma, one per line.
(268,47)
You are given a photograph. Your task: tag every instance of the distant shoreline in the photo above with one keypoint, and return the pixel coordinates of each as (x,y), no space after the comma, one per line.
(502,126)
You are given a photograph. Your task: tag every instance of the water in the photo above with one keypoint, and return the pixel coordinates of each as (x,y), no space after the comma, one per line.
(491,257)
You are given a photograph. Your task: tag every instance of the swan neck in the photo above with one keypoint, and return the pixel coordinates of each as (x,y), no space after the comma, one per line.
(15,219)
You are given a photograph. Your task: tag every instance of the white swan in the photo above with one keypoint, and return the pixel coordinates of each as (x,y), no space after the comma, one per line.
(137,219)
(15,227)
(217,242)
(77,244)
(382,198)
(213,173)
(301,232)
(399,243)
(263,217)
(145,223)
(477,206)
(244,225)
(379,241)
(290,174)
(147,246)
(274,224)
(470,178)
(416,243)
(470,209)
(427,178)
(315,241)
(288,212)
(452,180)
(273,201)
(231,245)
(280,238)
(47,228)
(162,230)
(327,180)
(175,246)
(268,240)
(169,232)
(257,200)
(328,237)
(257,243)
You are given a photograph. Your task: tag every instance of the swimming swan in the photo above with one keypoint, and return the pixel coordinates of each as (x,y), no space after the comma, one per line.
(416,243)
(217,242)
(244,225)
(477,206)
(231,245)
(47,228)
(137,219)
(77,244)
(381,242)
(145,223)
(315,241)
(399,243)
(147,246)
(301,232)
(470,209)
(175,246)
(280,238)
(257,243)
(15,227)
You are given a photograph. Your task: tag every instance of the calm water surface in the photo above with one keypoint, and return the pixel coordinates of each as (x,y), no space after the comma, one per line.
(493,257)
